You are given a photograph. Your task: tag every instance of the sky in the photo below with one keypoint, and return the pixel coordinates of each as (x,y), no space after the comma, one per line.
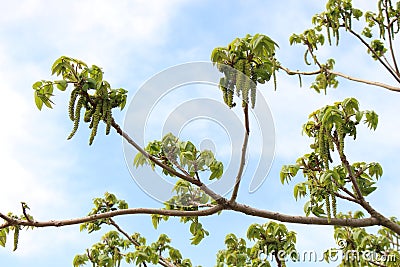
(133,41)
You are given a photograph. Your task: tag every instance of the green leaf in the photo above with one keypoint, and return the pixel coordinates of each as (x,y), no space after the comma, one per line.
(350,106)
(219,55)
(217,169)
(37,85)
(16,237)
(139,160)
(368,190)
(371,119)
(3,237)
(155,219)
(47,103)
(38,101)
(307,208)
(61,85)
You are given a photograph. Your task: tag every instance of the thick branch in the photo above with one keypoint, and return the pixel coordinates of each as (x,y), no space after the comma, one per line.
(232,206)
(110,214)
(302,219)
(6,218)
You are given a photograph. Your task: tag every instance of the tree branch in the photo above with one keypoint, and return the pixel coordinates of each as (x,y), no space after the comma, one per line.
(150,157)
(376,55)
(110,214)
(218,198)
(373,220)
(386,86)
(384,221)
(348,77)
(302,219)
(346,198)
(243,156)
(389,32)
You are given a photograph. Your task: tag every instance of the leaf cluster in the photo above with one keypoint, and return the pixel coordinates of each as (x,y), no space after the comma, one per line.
(180,156)
(113,248)
(187,198)
(360,248)
(328,127)
(271,240)
(101,205)
(245,62)
(90,92)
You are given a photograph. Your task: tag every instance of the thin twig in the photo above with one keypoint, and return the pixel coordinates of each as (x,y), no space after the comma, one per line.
(375,54)
(348,77)
(346,198)
(389,32)
(243,156)
(23,204)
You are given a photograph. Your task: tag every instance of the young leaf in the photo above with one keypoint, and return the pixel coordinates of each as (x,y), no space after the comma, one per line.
(38,101)
(61,85)
(3,237)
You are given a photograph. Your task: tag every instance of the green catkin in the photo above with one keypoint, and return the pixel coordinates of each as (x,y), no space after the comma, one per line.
(340,134)
(230,98)
(334,207)
(328,33)
(321,144)
(274,76)
(239,77)
(328,207)
(96,120)
(16,237)
(331,145)
(71,105)
(253,89)
(77,116)
(349,17)
(88,115)
(224,93)
(326,155)
(337,37)
(104,110)
(91,123)
(246,84)
(108,119)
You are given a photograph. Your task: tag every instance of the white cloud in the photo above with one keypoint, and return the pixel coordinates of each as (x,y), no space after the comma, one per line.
(36,163)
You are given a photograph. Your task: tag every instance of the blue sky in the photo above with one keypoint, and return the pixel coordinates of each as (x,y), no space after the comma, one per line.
(132,41)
